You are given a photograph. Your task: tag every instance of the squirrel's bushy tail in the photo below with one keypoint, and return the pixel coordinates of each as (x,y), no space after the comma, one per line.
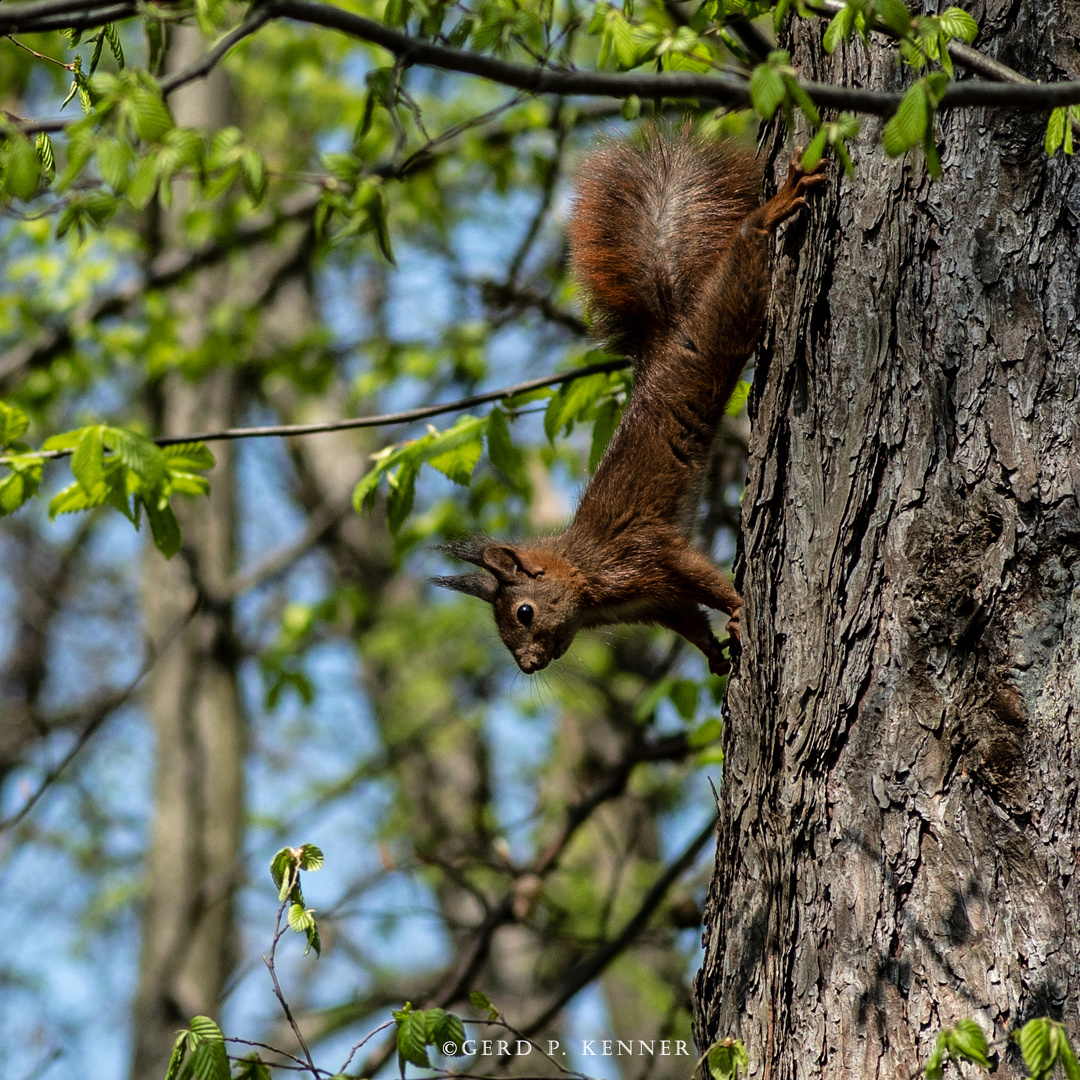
(650,219)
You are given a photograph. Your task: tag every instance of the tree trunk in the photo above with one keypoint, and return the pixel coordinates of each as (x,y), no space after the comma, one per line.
(193,868)
(899,830)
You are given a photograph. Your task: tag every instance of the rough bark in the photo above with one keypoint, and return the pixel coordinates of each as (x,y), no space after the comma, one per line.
(899,829)
(188,929)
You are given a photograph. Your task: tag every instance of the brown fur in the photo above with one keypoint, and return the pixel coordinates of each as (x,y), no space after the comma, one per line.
(671,248)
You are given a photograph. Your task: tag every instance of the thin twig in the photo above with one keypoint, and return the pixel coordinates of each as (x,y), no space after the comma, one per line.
(99,713)
(269,962)
(202,67)
(386,419)
(593,965)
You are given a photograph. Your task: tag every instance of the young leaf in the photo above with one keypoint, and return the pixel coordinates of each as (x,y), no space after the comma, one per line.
(22,168)
(456,451)
(1037,1047)
(957,23)
(483,1003)
(727,1059)
(908,124)
(164,527)
(501,450)
(311,858)
(767,90)
(968,1041)
(87,463)
(412,1039)
(13,423)
(1055,129)
(20,485)
(176,1060)
(402,492)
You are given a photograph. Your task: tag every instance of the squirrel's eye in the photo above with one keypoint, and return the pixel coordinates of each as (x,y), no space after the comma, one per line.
(525,614)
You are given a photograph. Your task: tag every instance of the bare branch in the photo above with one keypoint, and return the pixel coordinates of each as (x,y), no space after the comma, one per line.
(593,965)
(202,67)
(98,714)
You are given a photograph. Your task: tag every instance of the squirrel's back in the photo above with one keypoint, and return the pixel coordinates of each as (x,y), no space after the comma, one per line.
(650,218)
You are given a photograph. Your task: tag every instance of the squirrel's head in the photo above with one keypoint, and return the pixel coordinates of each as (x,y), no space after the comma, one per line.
(531,592)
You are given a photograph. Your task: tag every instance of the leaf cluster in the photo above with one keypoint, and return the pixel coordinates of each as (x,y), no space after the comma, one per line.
(419,1029)
(113,466)
(285,869)
(199,1053)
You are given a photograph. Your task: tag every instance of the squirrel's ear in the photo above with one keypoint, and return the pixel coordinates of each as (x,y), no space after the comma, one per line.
(483,586)
(507,563)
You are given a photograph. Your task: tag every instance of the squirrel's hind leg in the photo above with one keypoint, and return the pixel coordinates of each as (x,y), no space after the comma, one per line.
(791,197)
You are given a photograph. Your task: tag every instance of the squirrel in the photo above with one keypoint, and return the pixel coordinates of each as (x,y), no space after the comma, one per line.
(669,242)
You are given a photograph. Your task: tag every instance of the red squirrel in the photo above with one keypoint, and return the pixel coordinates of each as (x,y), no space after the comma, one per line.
(670,245)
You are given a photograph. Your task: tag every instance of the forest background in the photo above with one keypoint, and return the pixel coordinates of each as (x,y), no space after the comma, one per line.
(243,220)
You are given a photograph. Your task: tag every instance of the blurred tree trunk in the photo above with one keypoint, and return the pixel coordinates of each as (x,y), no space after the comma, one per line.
(188,931)
(899,829)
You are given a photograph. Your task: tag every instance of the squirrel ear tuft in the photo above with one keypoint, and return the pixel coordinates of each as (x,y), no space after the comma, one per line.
(483,586)
(508,563)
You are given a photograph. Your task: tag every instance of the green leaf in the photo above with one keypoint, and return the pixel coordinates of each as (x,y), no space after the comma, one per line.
(210,1061)
(282,867)
(450,1031)
(456,451)
(138,453)
(684,696)
(894,15)
(1037,1047)
(726,1059)
(20,485)
(164,527)
(115,160)
(184,457)
(144,183)
(412,1039)
(737,401)
(573,402)
(149,114)
(87,463)
(957,23)
(13,423)
(837,30)
(43,145)
(311,858)
(363,496)
(968,1041)
(301,919)
(176,1060)
(113,38)
(501,450)
(1055,129)
(22,168)
(935,1066)
(767,90)
(399,502)
(706,733)
(908,124)
(481,1001)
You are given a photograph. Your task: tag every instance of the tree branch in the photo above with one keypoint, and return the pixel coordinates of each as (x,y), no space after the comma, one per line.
(408,416)
(257,17)
(723,89)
